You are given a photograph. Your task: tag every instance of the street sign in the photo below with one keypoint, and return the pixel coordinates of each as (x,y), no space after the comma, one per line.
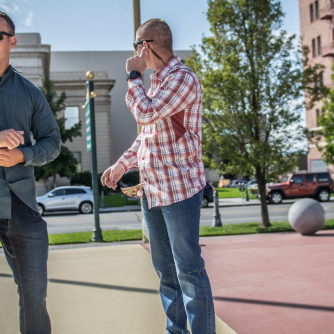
(88,129)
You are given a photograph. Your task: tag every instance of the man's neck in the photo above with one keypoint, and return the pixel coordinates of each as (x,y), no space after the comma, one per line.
(159,64)
(3,68)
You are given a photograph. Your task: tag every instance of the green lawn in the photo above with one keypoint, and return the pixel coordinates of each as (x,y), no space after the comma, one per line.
(118,199)
(86,237)
(127,235)
(232,193)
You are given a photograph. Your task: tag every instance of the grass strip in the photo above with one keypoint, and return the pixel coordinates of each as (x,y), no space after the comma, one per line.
(117,200)
(86,237)
(205,231)
(232,193)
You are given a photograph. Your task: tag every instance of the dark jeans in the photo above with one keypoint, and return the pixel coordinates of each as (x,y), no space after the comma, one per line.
(185,288)
(25,242)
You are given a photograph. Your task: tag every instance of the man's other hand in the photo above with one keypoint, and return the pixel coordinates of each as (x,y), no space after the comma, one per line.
(11,138)
(137,63)
(112,175)
(9,158)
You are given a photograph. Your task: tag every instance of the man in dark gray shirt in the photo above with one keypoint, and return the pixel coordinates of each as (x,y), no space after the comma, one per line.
(24,111)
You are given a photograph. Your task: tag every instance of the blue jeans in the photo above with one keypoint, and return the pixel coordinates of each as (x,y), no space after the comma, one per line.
(185,289)
(25,243)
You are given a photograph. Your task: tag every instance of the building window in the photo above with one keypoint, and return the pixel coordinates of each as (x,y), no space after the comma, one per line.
(318,115)
(314,48)
(319,45)
(316,10)
(311,12)
(77,156)
(72,116)
(318,165)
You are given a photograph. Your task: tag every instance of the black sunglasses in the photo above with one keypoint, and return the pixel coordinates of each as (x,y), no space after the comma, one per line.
(147,40)
(4,33)
(141,42)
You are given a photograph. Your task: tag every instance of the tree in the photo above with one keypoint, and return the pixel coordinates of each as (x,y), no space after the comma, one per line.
(326,132)
(65,165)
(253,80)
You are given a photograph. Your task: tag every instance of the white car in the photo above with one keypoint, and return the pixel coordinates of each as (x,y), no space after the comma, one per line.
(67,199)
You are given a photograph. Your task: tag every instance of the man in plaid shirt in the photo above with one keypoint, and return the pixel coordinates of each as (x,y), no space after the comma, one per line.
(168,155)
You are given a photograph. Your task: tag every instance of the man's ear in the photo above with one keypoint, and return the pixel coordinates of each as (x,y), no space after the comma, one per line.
(13,42)
(146,46)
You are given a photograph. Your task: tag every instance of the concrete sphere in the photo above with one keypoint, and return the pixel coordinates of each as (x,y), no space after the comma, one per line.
(306,216)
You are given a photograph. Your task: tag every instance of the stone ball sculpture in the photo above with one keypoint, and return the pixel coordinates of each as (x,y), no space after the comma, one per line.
(306,216)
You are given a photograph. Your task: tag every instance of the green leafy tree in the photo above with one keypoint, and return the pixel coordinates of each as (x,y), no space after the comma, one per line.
(65,165)
(253,82)
(326,132)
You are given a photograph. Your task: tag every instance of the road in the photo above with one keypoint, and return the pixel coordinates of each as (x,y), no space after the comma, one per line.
(73,222)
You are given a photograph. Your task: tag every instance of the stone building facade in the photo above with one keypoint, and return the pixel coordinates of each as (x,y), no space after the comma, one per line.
(317,32)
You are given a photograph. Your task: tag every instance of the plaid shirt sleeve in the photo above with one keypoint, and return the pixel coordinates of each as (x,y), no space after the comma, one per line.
(175,94)
(129,158)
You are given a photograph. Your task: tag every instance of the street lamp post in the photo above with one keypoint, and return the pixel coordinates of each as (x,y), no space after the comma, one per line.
(91,147)
(216,221)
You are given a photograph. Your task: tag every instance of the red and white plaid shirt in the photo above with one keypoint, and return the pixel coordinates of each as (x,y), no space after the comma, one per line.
(168,151)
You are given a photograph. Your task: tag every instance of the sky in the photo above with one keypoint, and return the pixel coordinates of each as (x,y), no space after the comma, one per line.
(104,25)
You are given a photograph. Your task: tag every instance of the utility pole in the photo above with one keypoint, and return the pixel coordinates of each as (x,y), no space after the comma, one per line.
(136,24)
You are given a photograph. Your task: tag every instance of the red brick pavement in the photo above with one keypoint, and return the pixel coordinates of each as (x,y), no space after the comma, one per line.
(273,284)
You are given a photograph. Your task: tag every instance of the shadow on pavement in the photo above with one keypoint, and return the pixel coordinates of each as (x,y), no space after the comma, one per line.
(95,285)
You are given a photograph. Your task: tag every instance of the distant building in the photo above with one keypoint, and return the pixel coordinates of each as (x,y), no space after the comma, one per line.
(317,32)
(115,126)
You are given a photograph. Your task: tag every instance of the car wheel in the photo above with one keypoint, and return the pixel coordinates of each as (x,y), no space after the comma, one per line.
(205,202)
(323,195)
(276,197)
(86,207)
(40,209)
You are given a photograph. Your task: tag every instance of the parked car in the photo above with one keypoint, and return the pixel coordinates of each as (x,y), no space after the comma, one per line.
(67,199)
(236,183)
(314,185)
(208,195)
(251,183)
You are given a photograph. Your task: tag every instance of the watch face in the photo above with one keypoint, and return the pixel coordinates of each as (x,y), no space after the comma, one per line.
(134,75)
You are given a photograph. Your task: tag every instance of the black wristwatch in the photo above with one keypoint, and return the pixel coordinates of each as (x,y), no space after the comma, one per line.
(133,75)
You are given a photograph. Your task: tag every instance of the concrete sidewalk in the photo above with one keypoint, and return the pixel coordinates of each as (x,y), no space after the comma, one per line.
(96,290)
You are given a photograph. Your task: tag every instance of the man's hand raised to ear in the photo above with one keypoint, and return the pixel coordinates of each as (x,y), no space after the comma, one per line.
(137,63)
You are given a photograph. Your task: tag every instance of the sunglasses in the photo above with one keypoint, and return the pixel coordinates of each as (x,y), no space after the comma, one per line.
(135,45)
(2,33)
(148,40)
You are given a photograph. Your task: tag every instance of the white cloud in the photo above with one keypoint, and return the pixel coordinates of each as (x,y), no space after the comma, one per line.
(28,19)
(4,8)
(15,9)
(12,8)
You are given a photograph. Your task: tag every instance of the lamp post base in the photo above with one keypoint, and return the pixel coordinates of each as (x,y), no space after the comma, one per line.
(97,235)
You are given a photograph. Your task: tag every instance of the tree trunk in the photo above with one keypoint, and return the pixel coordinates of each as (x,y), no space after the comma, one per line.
(261,181)
(54,182)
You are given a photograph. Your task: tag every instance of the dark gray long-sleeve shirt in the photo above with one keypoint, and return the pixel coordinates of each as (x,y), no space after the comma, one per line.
(23,107)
